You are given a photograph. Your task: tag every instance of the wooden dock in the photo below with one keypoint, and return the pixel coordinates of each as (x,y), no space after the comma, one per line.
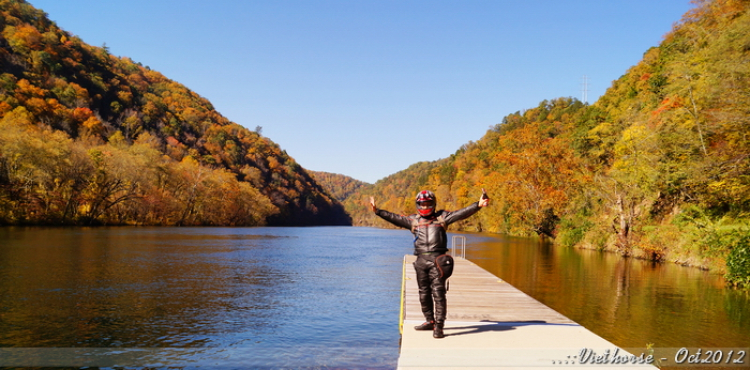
(491,324)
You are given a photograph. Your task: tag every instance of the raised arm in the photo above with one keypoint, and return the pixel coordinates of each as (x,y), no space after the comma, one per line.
(398,220)
(466,212)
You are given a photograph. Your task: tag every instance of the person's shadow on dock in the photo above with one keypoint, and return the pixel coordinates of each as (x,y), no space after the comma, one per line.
(486,325)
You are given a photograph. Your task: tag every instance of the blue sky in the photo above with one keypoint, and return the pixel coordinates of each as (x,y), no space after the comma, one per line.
(366,88)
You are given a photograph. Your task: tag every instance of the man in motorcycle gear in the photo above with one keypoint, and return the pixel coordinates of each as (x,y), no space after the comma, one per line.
(430,241)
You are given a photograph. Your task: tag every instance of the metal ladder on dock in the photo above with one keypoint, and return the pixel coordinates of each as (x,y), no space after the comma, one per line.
(454,247)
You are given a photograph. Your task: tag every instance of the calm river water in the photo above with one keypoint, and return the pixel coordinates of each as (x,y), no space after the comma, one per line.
(319,297)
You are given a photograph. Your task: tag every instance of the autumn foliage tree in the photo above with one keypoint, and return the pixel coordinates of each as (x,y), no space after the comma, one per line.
(97,139)
(658,167)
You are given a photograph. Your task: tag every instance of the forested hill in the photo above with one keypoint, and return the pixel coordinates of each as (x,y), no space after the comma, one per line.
(340,186)
(87,137)
(658,167)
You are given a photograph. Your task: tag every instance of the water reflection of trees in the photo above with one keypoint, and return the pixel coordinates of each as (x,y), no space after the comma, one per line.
(627,301)
(104,288)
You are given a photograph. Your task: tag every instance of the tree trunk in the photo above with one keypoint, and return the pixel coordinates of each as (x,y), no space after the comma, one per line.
(623,244)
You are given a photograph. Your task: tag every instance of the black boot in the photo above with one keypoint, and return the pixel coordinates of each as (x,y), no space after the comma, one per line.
(427,325)
(438,331)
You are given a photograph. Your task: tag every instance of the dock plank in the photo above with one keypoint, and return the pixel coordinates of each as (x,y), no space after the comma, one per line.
(491,324)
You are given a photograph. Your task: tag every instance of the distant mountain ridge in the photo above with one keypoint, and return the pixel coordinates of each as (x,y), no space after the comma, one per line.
(105,111)
(340,186)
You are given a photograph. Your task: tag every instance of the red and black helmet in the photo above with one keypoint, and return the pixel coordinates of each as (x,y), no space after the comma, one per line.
(426,202)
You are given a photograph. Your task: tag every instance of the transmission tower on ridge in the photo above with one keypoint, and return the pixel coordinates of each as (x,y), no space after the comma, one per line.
(585,89)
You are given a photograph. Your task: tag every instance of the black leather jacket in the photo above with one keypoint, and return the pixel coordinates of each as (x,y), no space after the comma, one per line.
(429,232)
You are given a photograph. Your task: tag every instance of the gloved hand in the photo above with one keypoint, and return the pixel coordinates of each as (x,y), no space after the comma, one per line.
(484,200)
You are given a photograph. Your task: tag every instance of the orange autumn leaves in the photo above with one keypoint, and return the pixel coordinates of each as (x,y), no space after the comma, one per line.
(65,96)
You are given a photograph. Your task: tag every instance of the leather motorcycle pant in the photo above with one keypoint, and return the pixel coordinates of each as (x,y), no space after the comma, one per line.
(431,289)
